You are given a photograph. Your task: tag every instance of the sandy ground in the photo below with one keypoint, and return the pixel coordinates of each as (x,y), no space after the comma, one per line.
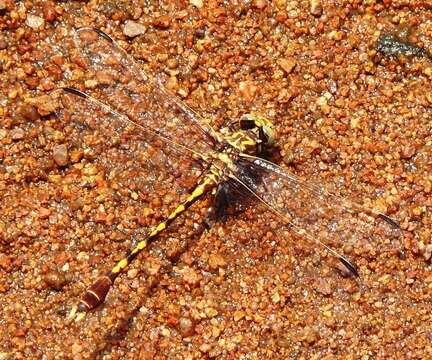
(352,111)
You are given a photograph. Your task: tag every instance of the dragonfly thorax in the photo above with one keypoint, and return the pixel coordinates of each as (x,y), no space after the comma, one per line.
(256,133)
(243,142)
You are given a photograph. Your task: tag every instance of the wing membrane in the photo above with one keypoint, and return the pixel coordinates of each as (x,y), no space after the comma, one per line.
(121,157)
(129,90)
(337,224)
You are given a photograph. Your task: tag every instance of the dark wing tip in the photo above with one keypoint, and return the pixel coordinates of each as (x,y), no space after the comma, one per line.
(351,268)
(104,35)
(389,220)
(75,92)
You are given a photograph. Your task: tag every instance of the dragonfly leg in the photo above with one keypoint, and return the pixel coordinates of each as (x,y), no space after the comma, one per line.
(97,292)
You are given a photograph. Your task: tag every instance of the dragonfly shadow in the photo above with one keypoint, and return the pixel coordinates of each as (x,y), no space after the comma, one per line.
(121,330)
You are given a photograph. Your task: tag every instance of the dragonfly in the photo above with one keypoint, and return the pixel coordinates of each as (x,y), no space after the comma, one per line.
(140,133)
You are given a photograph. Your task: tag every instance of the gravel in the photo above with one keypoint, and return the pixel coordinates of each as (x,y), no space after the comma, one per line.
(132,28)
(347,116)
(316,7)
(35,22)
(60,155)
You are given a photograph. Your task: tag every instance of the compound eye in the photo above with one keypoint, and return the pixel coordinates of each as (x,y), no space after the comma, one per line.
(247,122)
(267,134)
(265,127)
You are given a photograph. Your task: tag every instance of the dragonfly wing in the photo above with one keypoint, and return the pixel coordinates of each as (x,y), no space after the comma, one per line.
(130,167)
(337,224)
(129,90)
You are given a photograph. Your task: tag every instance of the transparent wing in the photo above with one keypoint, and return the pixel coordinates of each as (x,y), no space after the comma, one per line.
(135,170)
(129,90)
(337,224)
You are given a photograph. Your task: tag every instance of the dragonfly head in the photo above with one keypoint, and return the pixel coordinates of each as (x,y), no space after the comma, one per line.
(260,127)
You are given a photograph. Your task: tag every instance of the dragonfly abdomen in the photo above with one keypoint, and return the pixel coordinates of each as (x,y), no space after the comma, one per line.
(97,292)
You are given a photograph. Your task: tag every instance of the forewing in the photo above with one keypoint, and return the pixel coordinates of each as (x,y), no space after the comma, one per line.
(336,224)
(129,90)
(130,167)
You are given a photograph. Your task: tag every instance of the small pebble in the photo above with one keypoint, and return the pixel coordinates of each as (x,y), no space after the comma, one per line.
(44,104)
(316,8)
(275,297)
(260,4)
(132,28)
(428,71)
(216,261)
(35,22)
(248,90)
(182,92)
(29,112)
(287,65)
(211,312)
(55,280)
(310,335)
(44,213)
(407,151)
(427,252)
(60,155)
(172,63)
(76,204)
(205,348)
(3,43)
(322,103)
(238,315)
(190,276)
(186,326)
(196,3)
(355,122)
(77,348)
(104,77)
(49,11)
(76,156)
(17,134)
(323,287)
(47,84)
(153,266)
(162,22)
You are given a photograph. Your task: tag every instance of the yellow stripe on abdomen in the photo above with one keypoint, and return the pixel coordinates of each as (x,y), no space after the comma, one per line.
(200,189)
